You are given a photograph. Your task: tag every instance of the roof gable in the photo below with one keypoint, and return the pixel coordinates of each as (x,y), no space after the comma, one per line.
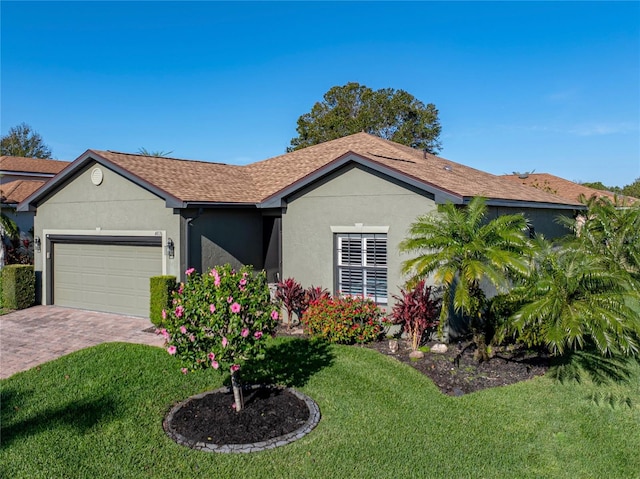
(268,182)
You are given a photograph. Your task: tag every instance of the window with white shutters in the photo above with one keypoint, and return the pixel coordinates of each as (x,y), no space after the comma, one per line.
(361,265)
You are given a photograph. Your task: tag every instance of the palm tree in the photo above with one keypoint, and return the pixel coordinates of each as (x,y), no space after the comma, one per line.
(612,229)
(575,300)
(462,250)
(9,229)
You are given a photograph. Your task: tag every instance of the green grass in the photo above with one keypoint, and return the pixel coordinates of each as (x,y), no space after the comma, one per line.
(97,413)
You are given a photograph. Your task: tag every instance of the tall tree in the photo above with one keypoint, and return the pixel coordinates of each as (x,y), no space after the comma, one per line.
(633,189)
(22,140)
(391,114)
(462,250)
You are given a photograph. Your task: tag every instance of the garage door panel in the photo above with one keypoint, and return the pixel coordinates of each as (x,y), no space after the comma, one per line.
(105,277)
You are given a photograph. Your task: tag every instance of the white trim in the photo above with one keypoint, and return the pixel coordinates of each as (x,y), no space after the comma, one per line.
(359,228)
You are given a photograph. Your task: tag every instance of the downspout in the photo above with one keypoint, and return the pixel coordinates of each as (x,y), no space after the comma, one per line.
(187,237)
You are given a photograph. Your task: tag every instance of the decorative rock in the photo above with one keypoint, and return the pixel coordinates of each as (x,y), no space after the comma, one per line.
(439,348)
(416,354)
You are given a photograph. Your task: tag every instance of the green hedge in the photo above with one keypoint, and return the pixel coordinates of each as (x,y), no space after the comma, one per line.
(161,288)
(18,288)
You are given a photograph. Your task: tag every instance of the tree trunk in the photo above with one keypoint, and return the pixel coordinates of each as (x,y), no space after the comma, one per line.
(237,391)
(481,354)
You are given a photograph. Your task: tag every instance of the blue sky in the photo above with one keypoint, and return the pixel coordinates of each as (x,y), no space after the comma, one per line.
(545,86)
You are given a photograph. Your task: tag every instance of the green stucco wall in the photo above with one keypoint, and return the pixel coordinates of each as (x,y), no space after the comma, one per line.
(117,205)
(219,236)
(350,196)
(543,220)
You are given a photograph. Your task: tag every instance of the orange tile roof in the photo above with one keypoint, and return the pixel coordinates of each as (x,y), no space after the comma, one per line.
(565,188)
(18,190)
(32,165)
(195,181)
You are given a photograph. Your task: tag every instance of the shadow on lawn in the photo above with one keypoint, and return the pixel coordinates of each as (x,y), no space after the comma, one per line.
(290,363)
(81,415)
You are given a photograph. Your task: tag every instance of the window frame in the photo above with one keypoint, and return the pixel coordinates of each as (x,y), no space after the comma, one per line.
(379,292)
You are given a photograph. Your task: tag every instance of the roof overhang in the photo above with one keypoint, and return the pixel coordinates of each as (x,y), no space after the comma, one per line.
(88,157)
(278,199)
(527,204)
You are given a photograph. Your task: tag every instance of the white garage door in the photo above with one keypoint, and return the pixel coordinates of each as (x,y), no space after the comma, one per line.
(105,277)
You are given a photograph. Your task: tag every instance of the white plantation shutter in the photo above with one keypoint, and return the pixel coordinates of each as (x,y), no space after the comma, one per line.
(362,266)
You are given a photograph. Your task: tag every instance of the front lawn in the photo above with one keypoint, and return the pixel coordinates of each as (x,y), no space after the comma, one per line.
(98,412)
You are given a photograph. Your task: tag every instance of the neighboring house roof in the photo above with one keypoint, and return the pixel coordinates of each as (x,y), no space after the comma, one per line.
(266,183)
(16,191)
(565,188)
(17,164)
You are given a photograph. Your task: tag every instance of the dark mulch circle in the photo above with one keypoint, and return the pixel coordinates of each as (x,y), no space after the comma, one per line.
(268,413)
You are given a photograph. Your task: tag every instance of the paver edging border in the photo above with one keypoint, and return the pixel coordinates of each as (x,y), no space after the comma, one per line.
(306,428)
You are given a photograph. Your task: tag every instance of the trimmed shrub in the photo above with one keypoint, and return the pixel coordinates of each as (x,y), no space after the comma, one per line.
(18,286)
(343,320)
(161,288)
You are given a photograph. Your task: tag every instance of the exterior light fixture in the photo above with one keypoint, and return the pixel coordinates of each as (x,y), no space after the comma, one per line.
(36,243)
(170,248)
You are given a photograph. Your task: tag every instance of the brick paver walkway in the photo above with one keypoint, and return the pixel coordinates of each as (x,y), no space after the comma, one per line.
(39,334)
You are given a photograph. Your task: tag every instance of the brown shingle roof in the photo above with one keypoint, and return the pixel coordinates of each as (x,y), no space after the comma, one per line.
(31,165)
(565,188)
(187,180)
(17,190)
(274,174)
(197,181)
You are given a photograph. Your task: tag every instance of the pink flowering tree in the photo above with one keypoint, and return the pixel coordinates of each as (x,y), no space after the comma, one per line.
(220,319)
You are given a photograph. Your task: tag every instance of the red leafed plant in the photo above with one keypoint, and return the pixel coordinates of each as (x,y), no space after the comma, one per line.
(313,294)
(292,296)
(417,310)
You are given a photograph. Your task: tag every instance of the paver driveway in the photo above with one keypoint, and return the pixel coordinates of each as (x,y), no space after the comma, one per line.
(39,334)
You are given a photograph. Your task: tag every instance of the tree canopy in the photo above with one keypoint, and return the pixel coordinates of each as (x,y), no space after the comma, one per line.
(390,114)
(24,141)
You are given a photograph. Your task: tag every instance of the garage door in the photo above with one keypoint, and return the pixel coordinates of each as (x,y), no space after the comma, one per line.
(105,277)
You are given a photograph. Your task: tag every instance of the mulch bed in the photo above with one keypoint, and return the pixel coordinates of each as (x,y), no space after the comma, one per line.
(456,372)
(268,413)
(272,412)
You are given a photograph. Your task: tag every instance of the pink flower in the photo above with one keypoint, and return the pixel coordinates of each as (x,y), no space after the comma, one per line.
(235,308)
(164,314)
(215,365)
(257,334)
(171,350)
(184,370)
(235,368)
(243,282)
(244,333)
(181,288)
(179,311)
(224,341)
(274,315)
(211,356)
(212,308)
(183,330)
(164,333)
(192,338)
(189,271)
(216,277)
(230,299)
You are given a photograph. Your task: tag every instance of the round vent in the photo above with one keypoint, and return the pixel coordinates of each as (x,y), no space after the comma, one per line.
(96,176)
